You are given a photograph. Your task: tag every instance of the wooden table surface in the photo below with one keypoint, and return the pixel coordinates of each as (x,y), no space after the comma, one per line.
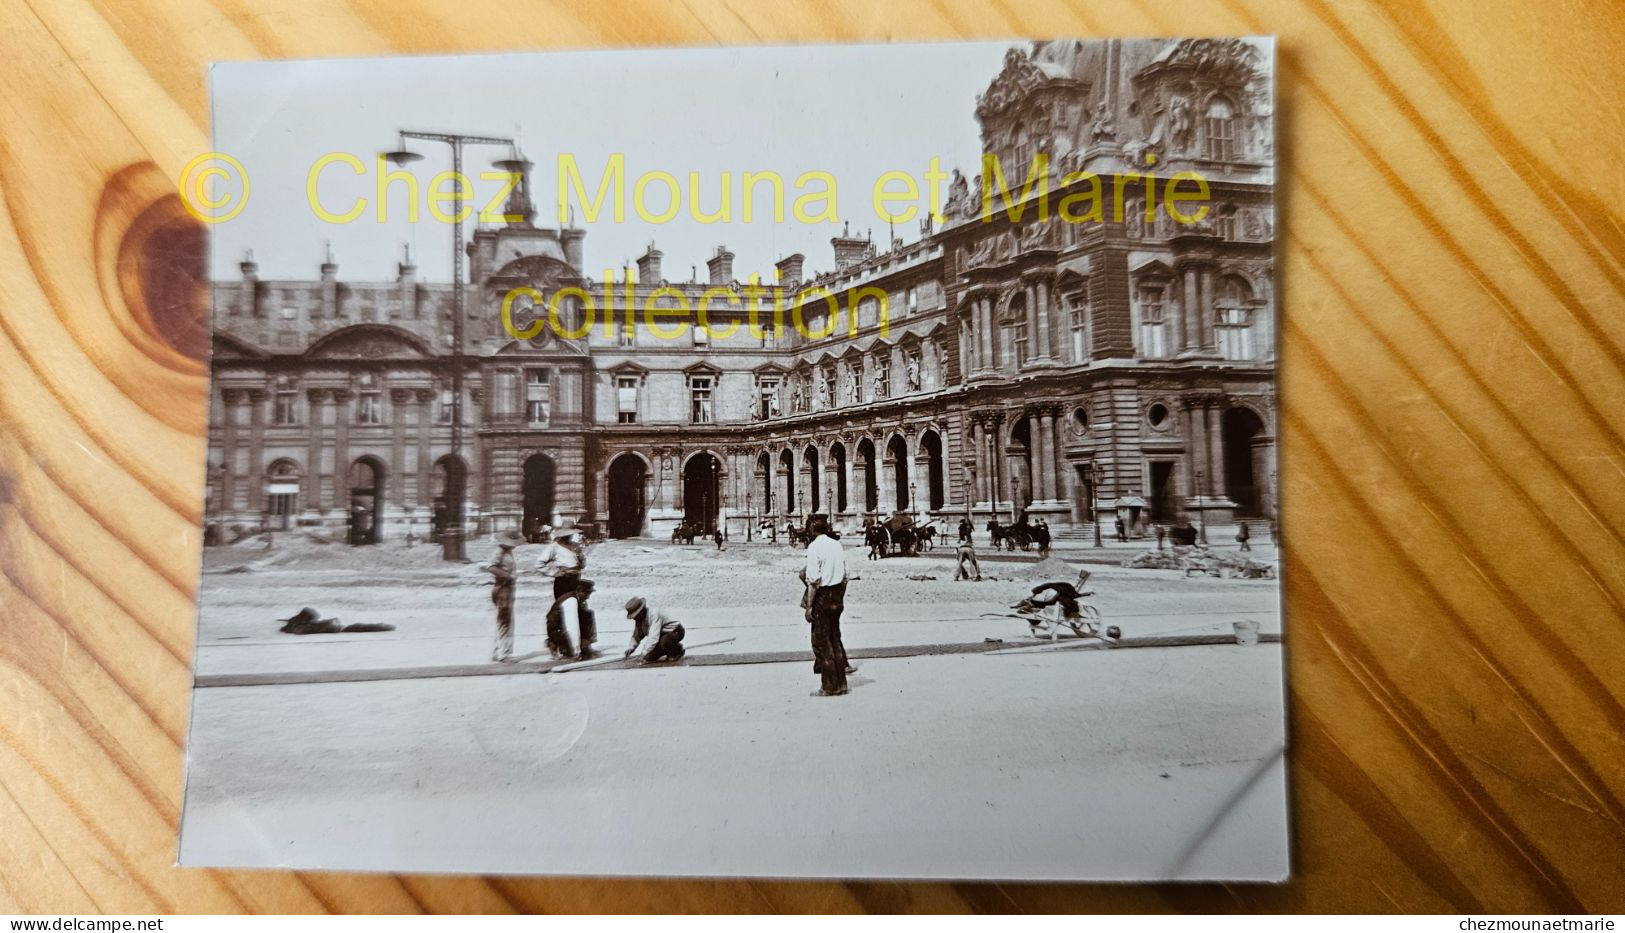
(1452,261)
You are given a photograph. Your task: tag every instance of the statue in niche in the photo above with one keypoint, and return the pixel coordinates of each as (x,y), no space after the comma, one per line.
(1102,128)
(1180,126)
(913,370)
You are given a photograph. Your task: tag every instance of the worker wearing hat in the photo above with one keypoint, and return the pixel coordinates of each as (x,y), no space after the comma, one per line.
(825,576)
(564,560)
(502,572)
(658,637)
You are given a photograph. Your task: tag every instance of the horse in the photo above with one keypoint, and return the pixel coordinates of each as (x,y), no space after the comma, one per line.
(902,541)
(926,537)
(1041,537)
(876,537)
(1010,537)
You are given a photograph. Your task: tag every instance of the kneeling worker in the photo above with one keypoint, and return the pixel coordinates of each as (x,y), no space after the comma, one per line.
(660,638)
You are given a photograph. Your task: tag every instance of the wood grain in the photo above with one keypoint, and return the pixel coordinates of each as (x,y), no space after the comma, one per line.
(1451,261)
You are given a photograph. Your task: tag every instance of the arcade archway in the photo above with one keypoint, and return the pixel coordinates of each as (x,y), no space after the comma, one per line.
(702,491)
(537,494)
(1244,435)
(450,487)
(366,478)
(628,496)
(936,479)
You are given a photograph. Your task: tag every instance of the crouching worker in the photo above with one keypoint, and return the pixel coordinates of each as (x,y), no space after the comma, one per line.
(659,638)
(1059,604)
(569,613)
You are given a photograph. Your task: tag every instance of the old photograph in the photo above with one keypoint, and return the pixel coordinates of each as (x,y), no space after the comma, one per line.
(836,461)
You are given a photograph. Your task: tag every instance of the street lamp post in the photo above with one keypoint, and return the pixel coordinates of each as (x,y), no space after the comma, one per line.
(452,547)
(1095,476)
(914,500)
(750,513)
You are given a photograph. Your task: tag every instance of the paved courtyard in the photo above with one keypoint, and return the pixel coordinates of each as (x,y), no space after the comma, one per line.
(1063,762)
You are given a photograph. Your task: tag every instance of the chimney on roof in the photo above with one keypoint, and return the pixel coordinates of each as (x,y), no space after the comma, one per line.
(649,266)
(248,290)
(330,284)
(849,250)
(790,269)
(407,302)
(721,266)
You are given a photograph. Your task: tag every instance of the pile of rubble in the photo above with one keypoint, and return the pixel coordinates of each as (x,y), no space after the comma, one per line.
(1201,560)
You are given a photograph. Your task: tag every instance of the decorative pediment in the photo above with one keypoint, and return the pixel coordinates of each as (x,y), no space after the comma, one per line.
(770,369)
(1018,77)
(227,347)
(1155,269)
(370,342)
(701,368)
(544,273)
(629,368)
(1222,62)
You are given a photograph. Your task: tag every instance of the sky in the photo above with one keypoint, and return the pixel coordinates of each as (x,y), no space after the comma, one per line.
(856,112)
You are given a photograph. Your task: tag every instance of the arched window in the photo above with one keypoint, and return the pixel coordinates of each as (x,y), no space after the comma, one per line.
(1219,129)
(1233,318)
(281,494)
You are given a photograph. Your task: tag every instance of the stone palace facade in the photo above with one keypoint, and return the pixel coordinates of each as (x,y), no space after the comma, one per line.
(1078,371)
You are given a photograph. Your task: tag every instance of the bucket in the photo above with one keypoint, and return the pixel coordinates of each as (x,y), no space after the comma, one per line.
(1246,632)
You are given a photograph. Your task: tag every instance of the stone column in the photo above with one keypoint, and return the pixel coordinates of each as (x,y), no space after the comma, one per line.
(978,444)
(1039,457)
(1204,308)
(229,399)
(1190,318)
(1215,442)
(1046,322)
(425,476)
(399,398)
(1195,446)
(256,450)
(341,449)
(988,350)
(854,491)
(677,479)
(317,418)
(1034,338)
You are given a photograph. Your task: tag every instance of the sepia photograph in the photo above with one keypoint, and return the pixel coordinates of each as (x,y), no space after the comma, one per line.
(791,462)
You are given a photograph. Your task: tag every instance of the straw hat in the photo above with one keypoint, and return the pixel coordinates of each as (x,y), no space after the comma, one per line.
(635,605)
(509,538)
(566,529)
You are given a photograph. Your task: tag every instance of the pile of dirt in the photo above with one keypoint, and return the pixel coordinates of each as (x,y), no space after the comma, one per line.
(1048,569)
(1200,560)
(1156,560)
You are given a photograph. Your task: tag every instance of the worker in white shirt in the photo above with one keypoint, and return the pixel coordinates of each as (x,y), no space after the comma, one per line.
(657,637)
(825,576)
